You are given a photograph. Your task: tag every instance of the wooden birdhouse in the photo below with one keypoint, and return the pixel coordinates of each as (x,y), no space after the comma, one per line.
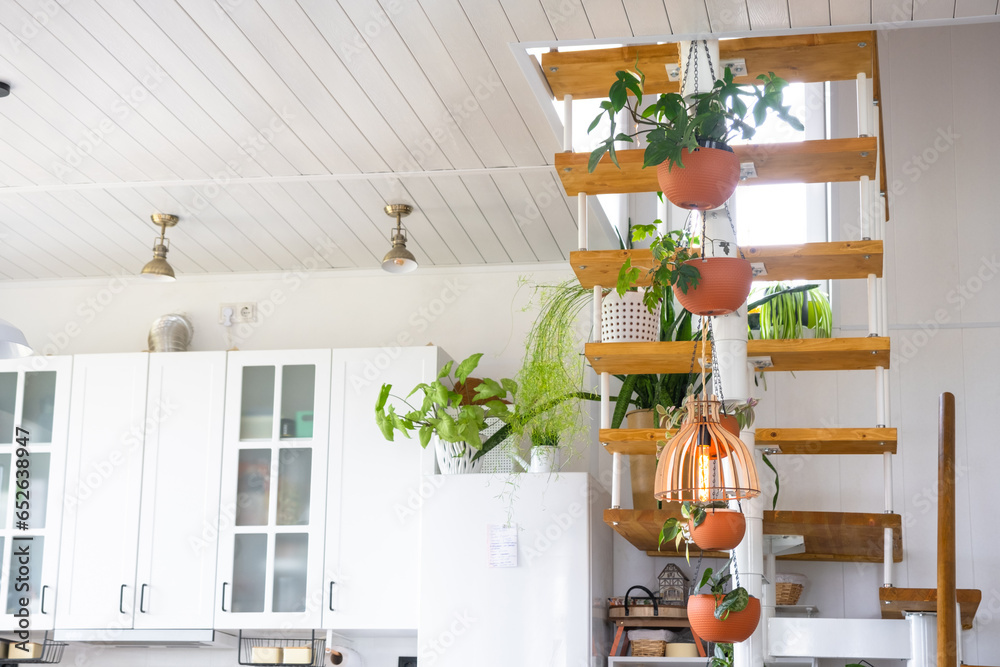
(673,586)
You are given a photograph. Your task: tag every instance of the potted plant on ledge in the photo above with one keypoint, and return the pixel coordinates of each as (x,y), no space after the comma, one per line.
(688,137)
(444,412)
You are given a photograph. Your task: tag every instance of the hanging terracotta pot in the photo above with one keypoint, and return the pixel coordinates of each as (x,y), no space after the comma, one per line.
(737,627)
(723,286)
(721,530)
(730,423)
(707,180)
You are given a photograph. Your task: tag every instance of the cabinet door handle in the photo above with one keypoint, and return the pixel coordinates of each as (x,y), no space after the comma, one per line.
(224,584)
(41,606)
(142,598)
(331,594)
(121,599)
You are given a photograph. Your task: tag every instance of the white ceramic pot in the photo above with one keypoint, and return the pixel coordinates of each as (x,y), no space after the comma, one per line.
(543,459)
(455,458)
(625,319)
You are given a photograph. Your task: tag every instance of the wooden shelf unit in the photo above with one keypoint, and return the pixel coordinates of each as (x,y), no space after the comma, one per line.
(814,161)
(829,536)
(804,261)
(789,441)
(811,354)
(894,601)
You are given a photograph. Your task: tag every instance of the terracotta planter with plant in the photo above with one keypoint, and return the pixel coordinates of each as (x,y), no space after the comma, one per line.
(720,616)
(722,287)
(709,178)
(721,530)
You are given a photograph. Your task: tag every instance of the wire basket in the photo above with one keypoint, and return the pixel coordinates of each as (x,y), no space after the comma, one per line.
(273,651)
(648,648)
(51,653)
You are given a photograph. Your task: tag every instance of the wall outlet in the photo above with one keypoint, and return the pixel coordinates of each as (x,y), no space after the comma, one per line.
(237,313)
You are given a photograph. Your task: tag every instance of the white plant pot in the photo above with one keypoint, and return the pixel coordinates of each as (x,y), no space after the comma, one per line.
(625,319)
(455,458)
(543,459)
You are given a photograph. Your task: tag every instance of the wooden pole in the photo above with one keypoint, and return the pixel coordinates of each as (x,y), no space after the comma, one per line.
(947,631)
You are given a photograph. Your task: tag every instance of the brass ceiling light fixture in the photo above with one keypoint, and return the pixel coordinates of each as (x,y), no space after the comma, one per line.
(398,259)
(158,269)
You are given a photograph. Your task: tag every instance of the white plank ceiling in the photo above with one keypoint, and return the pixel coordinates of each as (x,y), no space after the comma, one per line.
(278,129)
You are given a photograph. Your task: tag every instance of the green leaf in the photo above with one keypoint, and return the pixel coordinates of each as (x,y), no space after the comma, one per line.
(656,153)
(467,366)
(425,435)
(445,370)
(736,600)
(383,396)
(670,530)
(618,94)
(705,577)
(777,485)
(595,122)
(595,156)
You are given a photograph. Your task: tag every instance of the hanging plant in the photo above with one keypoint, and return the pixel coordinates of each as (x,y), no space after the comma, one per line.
(721,616)
(693,132)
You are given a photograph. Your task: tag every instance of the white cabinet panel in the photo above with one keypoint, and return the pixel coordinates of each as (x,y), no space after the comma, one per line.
(375,494)
(34,406)
(276,434)
(182,461)
(104,473)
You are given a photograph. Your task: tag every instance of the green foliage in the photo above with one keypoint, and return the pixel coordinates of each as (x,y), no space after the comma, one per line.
(678,530)
(442,411)
(783,311)
(723,656)
(777,481)
(725,603)
(672,122)
(670,252)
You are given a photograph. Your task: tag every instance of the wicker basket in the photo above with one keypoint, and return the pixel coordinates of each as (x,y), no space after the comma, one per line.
(788,588)
(648,648)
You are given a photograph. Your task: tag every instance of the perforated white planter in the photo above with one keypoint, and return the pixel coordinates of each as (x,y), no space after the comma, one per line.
(625,319)
(455,458)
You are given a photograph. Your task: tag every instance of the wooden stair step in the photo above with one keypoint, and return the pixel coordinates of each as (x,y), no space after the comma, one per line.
(895,601)
(814,354)
(808,441)
(829,536)
(803,261)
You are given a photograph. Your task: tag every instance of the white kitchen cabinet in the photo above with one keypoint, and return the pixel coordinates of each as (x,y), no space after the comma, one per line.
(139,536)
(375,493)
(276,433)
(34,406)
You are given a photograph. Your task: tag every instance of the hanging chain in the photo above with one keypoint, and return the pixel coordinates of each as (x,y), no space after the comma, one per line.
(732,226)
(697,573)
(708,57)
(692,55)
(736,571)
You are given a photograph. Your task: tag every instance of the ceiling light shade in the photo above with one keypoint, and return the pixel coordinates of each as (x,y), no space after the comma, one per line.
(398,259)
(158,269)
(704,462)
(13,344)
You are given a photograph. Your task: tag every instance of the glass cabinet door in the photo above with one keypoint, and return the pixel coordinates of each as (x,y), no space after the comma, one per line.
(275,458)
(34,411)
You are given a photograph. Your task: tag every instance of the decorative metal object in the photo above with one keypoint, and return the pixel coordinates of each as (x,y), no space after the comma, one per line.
(398,259)
(158,269)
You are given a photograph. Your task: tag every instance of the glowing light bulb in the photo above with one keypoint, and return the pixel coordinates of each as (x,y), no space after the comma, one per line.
(704,474)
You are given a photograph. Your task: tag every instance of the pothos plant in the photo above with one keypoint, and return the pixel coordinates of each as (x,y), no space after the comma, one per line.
(677,529)
(722,656)
(442,410)
(673,122)
(669,271)
(725,603)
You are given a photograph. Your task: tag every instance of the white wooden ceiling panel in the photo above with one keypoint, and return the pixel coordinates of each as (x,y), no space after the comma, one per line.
(324,62)
(464,105)
(851,12)
(308,237)
(18,168)
(568,18)
(9,176)
(484,92)
(498,216)
(34,159)
(52,252)
(768,14)
(607,19)
(186,254)
(930,10)
(227,35)
(495,36)
(892,11)
(728,15)
(647,17)
(272,127)
(527,217)
(529,21)
(435,214)
(470,216)
(344,38)
(371,198)
(553,207)
(27,257)
(330,227)
(688,18)
(809,13)
(970,8)
(273,45)
(67,243)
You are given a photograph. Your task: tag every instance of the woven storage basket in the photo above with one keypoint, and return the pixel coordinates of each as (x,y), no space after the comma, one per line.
(788,588)
(648,648)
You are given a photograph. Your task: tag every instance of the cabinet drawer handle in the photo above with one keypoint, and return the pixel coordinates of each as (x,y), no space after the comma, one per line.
(41,606)
(224,584)
(121,599)
(142,598)
(331,594)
